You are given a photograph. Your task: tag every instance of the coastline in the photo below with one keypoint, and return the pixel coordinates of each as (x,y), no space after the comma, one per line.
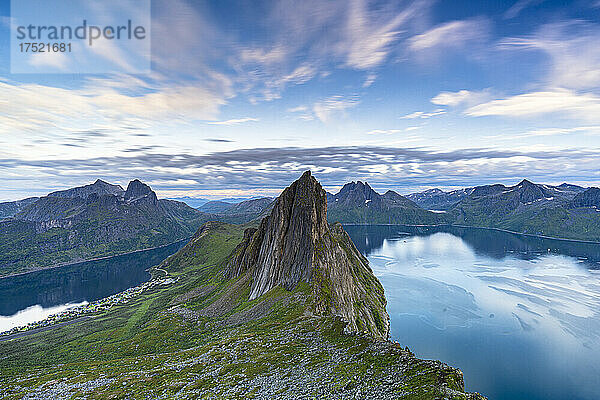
(65,264)
(482,227)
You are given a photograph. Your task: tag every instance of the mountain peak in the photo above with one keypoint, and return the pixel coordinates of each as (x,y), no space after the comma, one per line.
(98,188)
(295,244)
(525,183)
(137,190)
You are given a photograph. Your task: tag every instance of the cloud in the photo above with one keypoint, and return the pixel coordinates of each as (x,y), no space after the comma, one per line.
(573,50)
(236,121)
(369,80)
(325,109)
(519,6)
(562,101)
(36,107)
(57,60)
(217,140)
(451,34)
(275,168)
(297,109)
(370,34)
(462,97)
(424,115)
(384,131)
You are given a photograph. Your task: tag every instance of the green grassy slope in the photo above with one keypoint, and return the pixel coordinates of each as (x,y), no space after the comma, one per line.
(202,338)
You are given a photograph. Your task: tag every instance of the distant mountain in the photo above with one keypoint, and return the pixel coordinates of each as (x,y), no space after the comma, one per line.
(99,187)
(358,203)
(193,202)
(239,213)
(558,211)
(588,198)
(10,208)
(285,309)
(90,221)
(215,206)
(437,199)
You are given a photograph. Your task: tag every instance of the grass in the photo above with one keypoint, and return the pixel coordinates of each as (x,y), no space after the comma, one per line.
(140,350)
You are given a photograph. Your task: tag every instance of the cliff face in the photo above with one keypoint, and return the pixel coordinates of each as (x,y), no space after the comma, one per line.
(295,244)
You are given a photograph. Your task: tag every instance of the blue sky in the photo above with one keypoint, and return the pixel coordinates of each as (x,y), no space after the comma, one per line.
(244,96)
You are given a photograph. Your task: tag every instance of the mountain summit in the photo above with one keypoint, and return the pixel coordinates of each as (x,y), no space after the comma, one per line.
(295,245)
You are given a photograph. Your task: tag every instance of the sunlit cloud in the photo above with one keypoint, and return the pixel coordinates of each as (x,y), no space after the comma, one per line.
(585,106)
(235,121)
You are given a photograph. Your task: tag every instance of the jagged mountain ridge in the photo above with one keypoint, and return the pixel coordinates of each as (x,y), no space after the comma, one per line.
(90,221)
(99,187)
(437,199)
(295,244)
(530,208)
(10,208)
(588,198)
(357,202)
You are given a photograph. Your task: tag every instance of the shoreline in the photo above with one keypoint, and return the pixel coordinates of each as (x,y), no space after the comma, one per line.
(66,264)
(482,227)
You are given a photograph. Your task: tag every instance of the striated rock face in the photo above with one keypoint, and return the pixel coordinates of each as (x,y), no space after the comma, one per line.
(295,244)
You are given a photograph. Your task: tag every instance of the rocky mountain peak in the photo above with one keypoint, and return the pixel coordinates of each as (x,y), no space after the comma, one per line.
(137,190)
(588,198)
(295,244)
(99,188)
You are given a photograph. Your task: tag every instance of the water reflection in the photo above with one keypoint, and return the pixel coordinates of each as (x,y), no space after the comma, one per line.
(522,322)
(33,314)
(87,281)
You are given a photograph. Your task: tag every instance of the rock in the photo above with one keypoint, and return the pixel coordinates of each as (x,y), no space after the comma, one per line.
(295,244)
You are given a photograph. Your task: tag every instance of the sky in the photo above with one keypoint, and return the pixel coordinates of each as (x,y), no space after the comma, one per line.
(244,96)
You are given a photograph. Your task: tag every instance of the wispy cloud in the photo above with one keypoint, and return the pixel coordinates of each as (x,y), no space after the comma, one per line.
(268,168)
(297,109)
(462,97)
(585,106)
(519,6)
(451,34)
(325,109)
(424,115)
(369,80)
(384,131)
(236,121)
(573,50)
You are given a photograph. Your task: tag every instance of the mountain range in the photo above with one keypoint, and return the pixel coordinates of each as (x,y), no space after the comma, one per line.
(358,203)
(90,221)
(282,308)
(102,219)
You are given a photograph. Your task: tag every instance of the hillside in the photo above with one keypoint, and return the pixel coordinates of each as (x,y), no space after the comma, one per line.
(236,213)
(91,221)
(564,211)
(10,208)
(436,199)
(358,203)
(284,309)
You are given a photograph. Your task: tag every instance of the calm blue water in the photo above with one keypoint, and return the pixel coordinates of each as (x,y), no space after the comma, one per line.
(519,315)
(34,296)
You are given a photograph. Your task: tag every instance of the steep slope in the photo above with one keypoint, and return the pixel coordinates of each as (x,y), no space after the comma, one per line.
(237,213)
(436,199)
(358,203)
(527,207)
(295,244)
(91,221)
(199,334)
(10,208)
(588,198)
(215,206)
(99,187)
